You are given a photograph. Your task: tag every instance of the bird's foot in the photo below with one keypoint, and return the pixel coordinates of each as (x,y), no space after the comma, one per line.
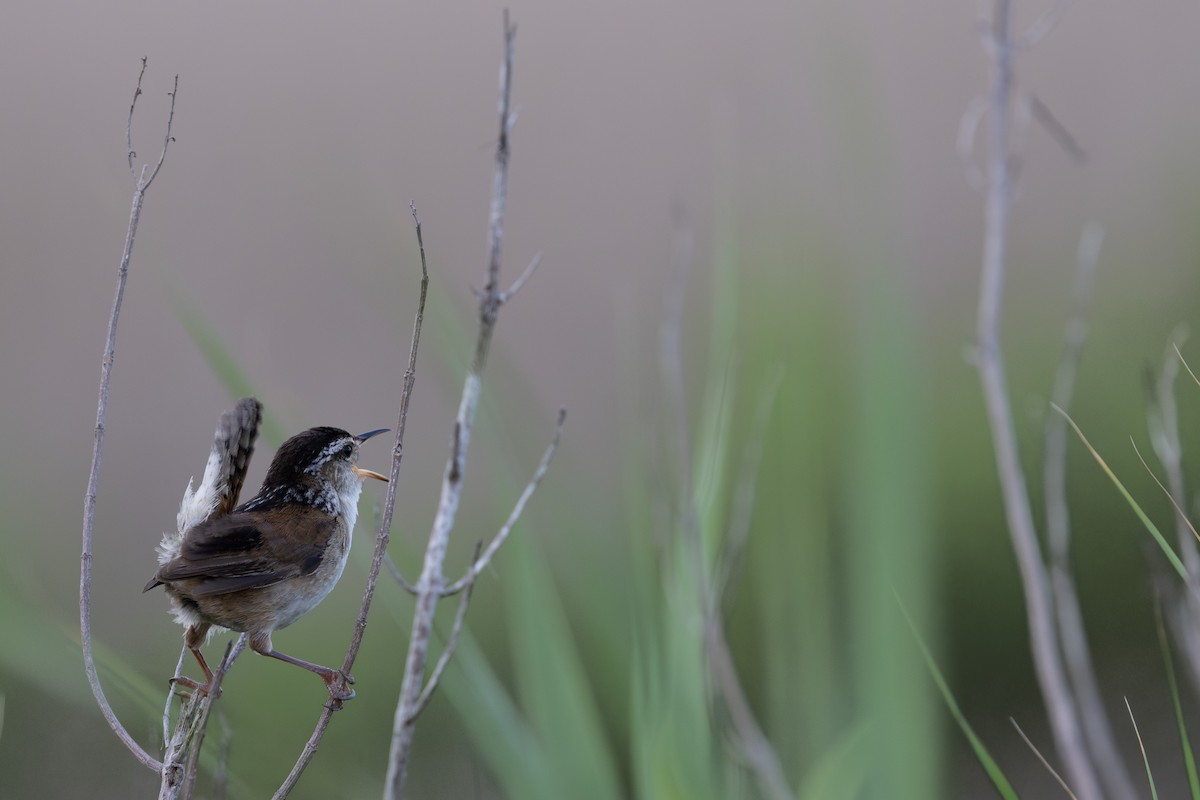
(190,686)
(339,685)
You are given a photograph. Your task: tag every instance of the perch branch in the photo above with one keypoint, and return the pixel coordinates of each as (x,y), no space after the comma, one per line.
(89,502)
(383,537)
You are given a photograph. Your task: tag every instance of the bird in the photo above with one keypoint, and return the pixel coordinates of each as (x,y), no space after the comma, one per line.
(260,566)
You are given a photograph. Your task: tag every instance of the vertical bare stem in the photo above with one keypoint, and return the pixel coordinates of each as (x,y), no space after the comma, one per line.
(1056,692)
(431,582)
(145,178)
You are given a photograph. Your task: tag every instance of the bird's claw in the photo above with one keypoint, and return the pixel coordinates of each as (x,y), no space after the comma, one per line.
(339,684)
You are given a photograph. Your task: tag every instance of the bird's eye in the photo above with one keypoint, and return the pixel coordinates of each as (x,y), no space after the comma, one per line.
(347,451)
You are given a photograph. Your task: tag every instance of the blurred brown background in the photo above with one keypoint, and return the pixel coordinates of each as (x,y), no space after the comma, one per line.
(303,131)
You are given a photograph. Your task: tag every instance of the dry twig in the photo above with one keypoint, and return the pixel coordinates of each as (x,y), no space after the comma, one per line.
(144,179)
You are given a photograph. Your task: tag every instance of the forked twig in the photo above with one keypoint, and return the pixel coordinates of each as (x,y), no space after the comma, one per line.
(383,537)
(89,502)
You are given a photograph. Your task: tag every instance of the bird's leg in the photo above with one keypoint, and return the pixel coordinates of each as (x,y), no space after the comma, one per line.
(193,637)
(336,681)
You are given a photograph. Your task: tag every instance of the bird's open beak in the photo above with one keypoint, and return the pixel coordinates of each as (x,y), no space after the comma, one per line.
(367,473)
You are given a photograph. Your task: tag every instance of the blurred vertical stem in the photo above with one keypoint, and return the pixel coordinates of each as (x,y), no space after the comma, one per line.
(1056,693)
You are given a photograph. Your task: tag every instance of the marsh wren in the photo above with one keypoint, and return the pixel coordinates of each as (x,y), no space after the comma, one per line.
(262,565)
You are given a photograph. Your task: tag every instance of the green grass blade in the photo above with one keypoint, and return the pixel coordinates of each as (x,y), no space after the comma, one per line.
(1185,744)
(1137,509)
(1142,747)
(985,758)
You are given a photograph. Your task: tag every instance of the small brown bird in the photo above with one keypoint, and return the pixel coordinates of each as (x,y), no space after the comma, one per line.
(261,566)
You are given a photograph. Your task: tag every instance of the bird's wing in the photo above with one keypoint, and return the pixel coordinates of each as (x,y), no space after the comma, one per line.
(243,551)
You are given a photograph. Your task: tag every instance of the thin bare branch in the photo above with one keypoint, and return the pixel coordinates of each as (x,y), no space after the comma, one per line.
(452,643)
(167,138)
(431,582)
(89,501)
(166,715)
(511,292)
(137,92)
(1056,692)
(383,536)
(1055,455)
(480,562)
(1042,759)
(489,304)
